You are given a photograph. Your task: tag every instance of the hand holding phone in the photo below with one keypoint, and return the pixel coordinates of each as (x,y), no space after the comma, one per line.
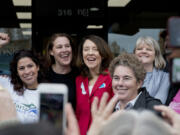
(175,71)
(52,100)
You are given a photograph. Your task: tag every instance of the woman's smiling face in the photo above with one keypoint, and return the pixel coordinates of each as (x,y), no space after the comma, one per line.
(91,55)
(28,72)
(124,83)
(145,53)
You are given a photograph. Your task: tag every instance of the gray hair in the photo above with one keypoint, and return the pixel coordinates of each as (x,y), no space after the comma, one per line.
(136,123)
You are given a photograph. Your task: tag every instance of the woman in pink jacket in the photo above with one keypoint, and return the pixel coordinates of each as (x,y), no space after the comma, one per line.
(94,57)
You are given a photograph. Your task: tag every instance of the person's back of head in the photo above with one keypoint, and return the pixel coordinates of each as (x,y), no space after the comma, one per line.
(136,123)
(30,129)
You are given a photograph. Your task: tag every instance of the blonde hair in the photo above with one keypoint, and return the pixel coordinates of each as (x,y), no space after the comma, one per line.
(159,61)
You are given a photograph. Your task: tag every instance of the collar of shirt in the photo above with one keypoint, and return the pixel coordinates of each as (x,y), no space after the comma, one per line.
(129,105)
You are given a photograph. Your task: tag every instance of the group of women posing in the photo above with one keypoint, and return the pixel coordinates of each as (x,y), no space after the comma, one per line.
(87,76)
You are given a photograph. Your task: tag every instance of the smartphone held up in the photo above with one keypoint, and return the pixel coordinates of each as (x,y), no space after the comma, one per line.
(52,100)
(174,31)
(174,44)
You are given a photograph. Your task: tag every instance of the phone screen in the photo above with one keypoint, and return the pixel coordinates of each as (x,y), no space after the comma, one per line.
(51,109)
(175,70)
(174,31)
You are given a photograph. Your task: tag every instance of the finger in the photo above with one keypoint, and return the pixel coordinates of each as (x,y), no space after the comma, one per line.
(67,117)
(166,111)
(103,102)
(94,107)
(115,115)
(71,120)
(110,106)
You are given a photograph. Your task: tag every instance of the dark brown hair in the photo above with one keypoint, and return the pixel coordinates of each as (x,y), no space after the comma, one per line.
(49,58)
(15,79)
(104,51)
(40,128)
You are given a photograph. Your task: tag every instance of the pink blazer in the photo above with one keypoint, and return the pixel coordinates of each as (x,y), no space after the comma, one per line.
(175,103)
(84,100)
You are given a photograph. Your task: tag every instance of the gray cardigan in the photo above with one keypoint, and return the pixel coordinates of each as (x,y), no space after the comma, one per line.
(157,84)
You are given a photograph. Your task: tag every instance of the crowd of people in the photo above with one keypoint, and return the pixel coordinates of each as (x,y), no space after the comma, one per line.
(126,94)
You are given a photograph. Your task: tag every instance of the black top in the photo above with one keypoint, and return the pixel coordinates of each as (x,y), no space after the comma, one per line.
(172,92)
(68,79)
(145,101)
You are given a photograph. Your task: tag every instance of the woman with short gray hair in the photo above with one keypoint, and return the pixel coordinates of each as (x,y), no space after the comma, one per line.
(128,74)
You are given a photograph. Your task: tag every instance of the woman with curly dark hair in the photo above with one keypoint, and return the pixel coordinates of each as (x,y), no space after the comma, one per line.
(22,83)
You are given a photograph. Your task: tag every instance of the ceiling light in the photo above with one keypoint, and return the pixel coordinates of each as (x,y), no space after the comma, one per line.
(22,2)
(27,32)
(22,15)
(94,9)
(25,25)
(118,3)
(94,27)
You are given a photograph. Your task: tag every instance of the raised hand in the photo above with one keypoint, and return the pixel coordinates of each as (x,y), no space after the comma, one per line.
(4,39)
